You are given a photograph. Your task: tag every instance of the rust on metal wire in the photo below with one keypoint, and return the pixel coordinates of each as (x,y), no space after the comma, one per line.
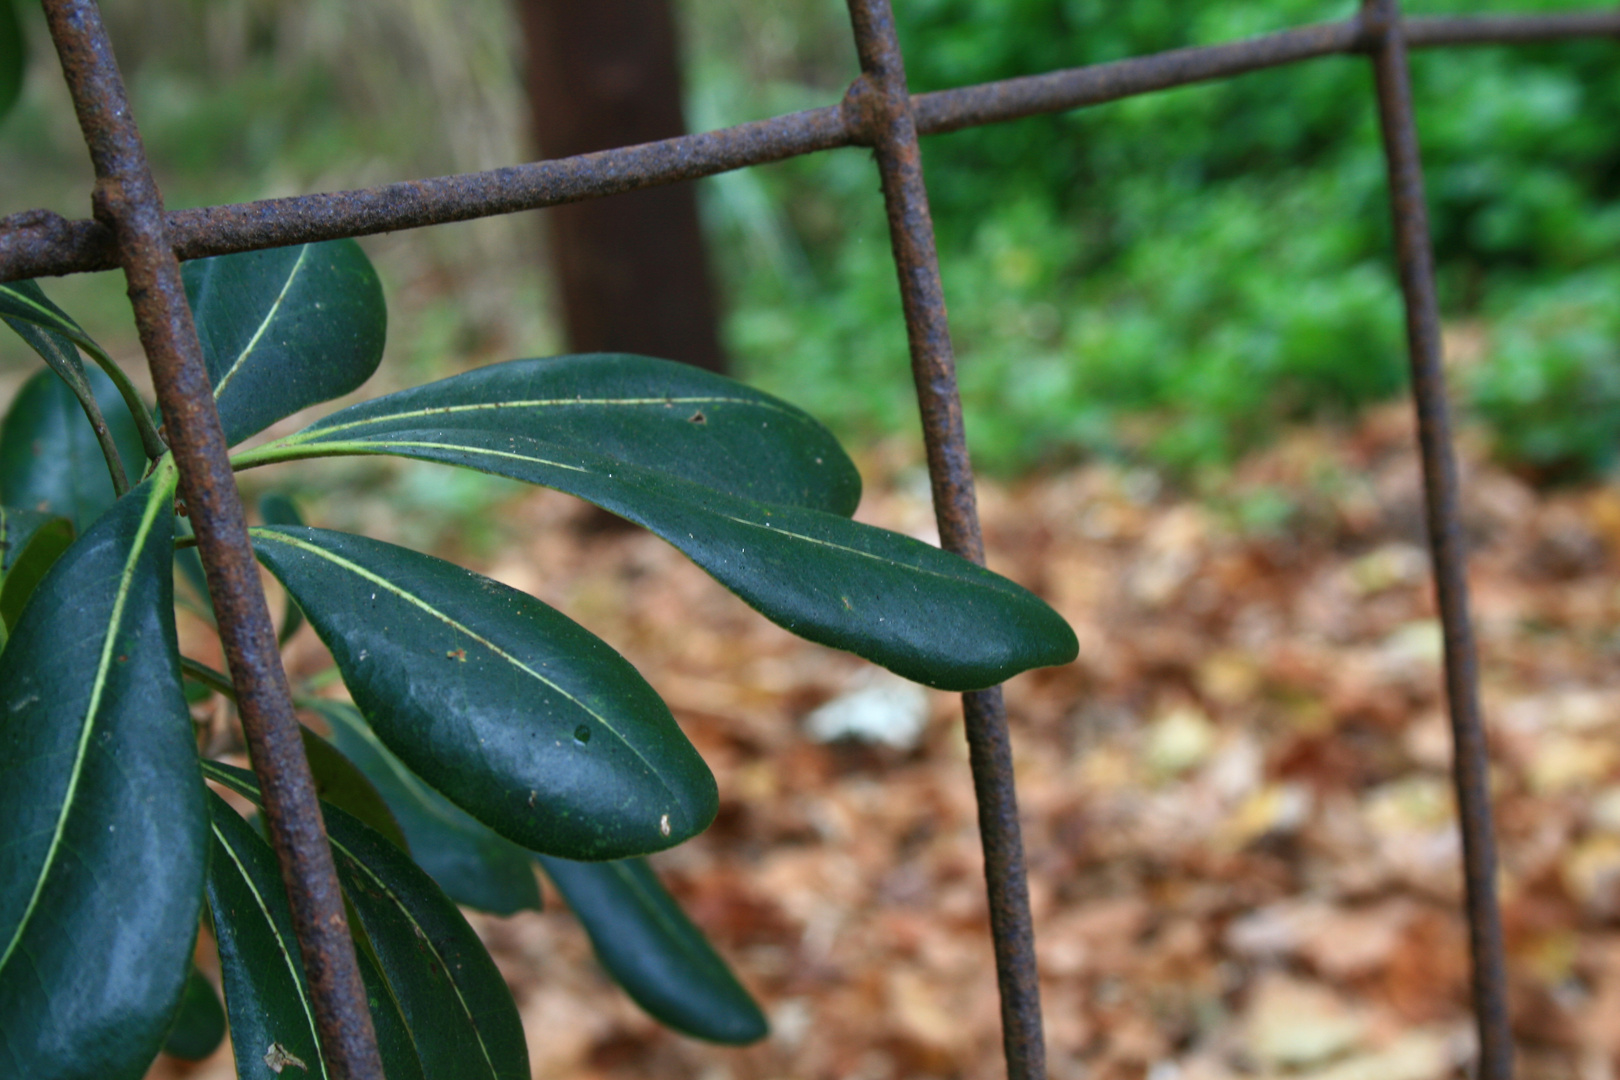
(1447,543)
(39,243)
(130,207)
(131,230)
(880,108)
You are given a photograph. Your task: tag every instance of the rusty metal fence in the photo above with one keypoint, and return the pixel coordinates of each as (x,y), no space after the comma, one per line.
(131,230)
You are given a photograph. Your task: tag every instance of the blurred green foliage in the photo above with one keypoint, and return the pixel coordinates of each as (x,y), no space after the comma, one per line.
(1168,278)
(1163,280)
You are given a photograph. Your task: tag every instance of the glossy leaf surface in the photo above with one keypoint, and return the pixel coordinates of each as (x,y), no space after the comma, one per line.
(277,509)
(474,865)
(199,1026)
(629,410)
(450,992)
(454,1002)
(49,460)
(266,992)
(285,329)
(105,838)
(655,952)
(30,543)
(921,612)
(517,714)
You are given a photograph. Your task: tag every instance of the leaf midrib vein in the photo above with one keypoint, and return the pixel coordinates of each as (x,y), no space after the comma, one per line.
(411,598)
(422,935)
(155,499)
(264,324)
(275,932)
(318,429)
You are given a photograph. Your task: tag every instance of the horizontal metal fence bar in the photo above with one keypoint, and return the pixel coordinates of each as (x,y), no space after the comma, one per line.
(1073,88)
(38,243)
(1510,29)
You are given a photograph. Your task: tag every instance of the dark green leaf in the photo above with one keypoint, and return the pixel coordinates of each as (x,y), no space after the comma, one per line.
(921,612)
(285,329)
(631,410)
(521,717)
(194,597)
(22,304)
(266,991)
(30,543)
(450,993)
(61,356)
(655,952)
(25,302)
(401,1057)
(199,1026)
(472,864)
(276,509)
(105,839)
(13,57)
(53,334)
(338,782)
(49,459)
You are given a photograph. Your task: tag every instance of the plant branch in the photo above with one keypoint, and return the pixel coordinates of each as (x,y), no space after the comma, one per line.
(217,681)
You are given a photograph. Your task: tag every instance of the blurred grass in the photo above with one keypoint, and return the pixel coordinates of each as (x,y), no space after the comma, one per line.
(1164,280)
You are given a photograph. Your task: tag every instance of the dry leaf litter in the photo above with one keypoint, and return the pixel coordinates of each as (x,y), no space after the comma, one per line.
(1237,803)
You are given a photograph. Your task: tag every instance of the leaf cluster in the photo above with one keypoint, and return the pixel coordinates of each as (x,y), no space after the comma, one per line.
(487,730)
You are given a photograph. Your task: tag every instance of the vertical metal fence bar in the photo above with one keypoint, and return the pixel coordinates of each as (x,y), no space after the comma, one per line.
(127,200)
(880,105)
(1447,542)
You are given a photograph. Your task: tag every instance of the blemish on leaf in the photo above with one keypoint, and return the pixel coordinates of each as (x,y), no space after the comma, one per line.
(278,1057)
(582,734)
(847,605)
(698,418)
(663,824)
(457,654)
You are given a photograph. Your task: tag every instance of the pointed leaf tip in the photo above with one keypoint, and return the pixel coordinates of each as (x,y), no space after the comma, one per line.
(655,952)
(517,714)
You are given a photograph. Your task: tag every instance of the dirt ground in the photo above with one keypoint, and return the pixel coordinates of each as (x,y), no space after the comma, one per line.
(1236,803)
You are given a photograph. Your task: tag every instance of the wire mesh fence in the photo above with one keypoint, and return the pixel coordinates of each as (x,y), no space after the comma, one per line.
(131,231)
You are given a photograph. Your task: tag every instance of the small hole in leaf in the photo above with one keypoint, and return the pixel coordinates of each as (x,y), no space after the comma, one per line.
(582,734)
(698,418)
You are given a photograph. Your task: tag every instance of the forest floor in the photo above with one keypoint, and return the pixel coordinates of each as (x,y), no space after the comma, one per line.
(1237,803)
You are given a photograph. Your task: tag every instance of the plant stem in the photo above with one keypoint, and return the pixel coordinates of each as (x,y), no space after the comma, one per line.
(216,681)
(151,441)
(104,439)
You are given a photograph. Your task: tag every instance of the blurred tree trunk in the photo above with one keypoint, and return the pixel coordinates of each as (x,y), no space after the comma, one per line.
(633,271)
